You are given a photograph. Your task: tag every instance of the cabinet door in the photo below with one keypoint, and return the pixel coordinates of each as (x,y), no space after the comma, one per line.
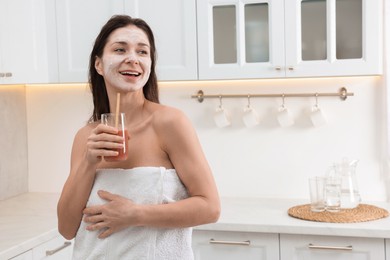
(23,57)
(54,249)
(25,256)
(210,245)
(240,39)
(78,24)
(174,27)
(300,247)
(333,37)
(387,249)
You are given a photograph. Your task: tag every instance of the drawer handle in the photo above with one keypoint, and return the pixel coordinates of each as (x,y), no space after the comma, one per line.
(349,248)
(52,252)
(231,243)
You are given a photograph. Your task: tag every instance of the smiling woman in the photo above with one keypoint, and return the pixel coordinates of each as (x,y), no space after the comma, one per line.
(147,204)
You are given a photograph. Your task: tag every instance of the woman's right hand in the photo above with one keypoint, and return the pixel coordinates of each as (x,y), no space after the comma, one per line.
(101,142)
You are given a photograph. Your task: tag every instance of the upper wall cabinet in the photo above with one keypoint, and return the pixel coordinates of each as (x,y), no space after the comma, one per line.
(289,38)
(46,41)
(173,23)
(77,26)
(23,42)
(174,26)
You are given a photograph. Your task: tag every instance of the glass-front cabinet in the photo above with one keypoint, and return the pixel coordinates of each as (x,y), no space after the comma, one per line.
(288,38)
(240,39)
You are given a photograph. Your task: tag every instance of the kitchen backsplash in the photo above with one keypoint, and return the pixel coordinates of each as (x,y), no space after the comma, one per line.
(263,161)
(13,141)
(275,162)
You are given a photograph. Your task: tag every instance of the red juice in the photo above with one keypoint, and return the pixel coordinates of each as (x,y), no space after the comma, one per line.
(123,152)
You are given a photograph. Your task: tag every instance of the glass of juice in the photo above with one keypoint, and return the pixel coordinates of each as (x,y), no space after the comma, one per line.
(118,121)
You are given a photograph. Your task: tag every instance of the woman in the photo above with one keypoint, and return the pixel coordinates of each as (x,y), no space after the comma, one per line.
(143,207)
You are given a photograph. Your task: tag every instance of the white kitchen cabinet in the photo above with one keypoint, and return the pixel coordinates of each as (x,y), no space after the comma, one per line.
(25,256)
(174,27)
(77,25)
(300,247)
(387,241)
(333,37)
(234,245)
(236,40)
(175,34)
(288,38)
(54,249)
(23,42)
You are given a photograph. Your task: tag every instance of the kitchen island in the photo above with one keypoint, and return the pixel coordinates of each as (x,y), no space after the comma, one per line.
(30,219)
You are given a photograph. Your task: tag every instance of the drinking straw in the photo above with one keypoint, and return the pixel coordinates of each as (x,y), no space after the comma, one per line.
(118,96)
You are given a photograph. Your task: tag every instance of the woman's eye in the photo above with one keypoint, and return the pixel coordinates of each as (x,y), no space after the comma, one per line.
(143,52)
(119,50)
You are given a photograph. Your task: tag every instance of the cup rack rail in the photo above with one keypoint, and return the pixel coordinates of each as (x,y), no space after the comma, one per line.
(342,94)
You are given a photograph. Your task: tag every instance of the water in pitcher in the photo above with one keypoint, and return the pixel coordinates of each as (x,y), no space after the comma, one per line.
(346,170)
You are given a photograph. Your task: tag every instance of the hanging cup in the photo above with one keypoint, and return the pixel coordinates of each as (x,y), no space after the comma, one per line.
(283,116)
(317,116)
(250,116)
(221,115)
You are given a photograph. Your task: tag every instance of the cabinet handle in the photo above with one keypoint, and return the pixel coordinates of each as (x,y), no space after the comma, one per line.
(231,243)
(278,68)
(291,68)
(349,248)
(52,252)
(8,74)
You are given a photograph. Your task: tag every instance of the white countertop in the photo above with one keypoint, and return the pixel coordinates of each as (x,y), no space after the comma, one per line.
(26,221)
(270,216)
(30,219)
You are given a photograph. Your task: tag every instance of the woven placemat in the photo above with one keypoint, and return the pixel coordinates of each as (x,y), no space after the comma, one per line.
(361,213)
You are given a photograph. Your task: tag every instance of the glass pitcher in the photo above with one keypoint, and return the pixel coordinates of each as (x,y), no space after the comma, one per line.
(346,170)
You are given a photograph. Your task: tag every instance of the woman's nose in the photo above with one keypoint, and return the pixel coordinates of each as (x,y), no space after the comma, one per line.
(131,58)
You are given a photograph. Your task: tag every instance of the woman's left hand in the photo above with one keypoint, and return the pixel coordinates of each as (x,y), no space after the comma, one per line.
(117,214)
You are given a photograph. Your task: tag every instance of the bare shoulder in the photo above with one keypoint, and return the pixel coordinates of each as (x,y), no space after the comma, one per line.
(171,118)
(174,130)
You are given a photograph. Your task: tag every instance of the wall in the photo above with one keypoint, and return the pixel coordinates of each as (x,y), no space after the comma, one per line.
(264,161)
(13,141)
(55,113)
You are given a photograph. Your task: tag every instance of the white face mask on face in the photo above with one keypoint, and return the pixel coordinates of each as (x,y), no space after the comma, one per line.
(126,62)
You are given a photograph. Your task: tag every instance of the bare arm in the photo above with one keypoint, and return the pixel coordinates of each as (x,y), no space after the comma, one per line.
(88,147)
(185,152)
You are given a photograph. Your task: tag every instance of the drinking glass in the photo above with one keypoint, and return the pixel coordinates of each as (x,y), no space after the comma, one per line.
(118,121)
(317,194)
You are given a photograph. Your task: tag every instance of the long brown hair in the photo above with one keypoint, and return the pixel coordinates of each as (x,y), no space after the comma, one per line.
(96,81)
